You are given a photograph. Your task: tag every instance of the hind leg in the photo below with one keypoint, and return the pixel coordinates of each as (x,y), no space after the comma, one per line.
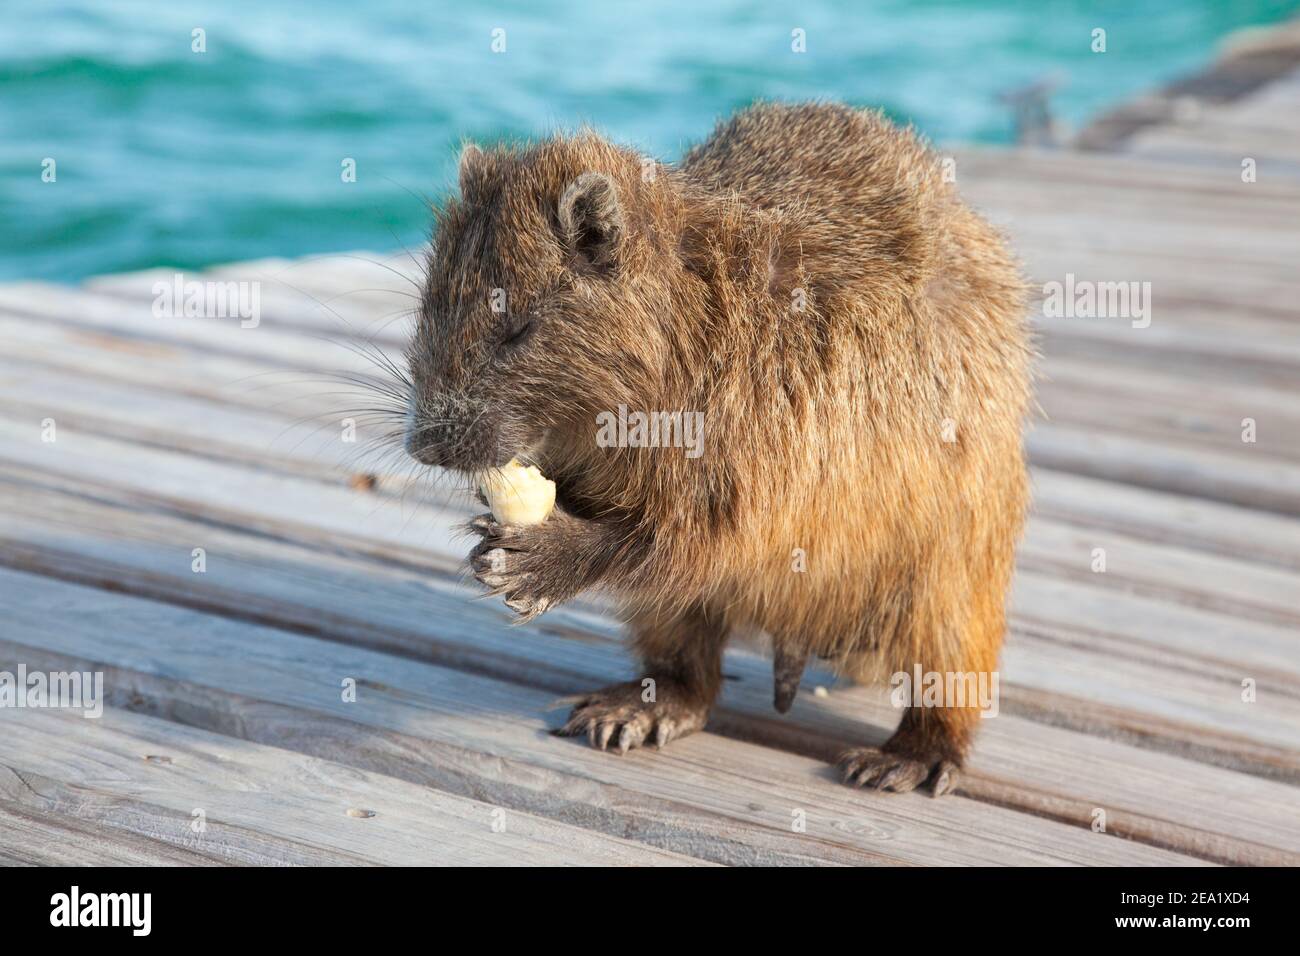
(934,736)
(927,748)
(681,673)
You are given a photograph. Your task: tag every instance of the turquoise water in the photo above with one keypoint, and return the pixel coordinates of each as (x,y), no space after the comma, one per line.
(169,157)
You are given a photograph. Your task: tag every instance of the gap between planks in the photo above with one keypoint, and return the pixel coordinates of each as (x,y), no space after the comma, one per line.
(556,663)
(248,680)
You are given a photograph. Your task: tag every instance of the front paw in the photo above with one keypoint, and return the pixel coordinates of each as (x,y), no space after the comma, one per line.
(622,715)
(515,562)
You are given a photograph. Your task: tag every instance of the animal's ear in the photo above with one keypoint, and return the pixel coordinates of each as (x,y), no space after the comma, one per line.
(471,162)
(591,220)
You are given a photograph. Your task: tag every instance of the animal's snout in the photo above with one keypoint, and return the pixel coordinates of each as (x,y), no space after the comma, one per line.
(433,442)
(454,433)
(437,427)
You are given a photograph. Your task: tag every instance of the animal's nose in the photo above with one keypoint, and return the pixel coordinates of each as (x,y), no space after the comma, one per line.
(427,442)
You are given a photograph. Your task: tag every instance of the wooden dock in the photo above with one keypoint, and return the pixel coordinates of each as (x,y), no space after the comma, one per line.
(226,737)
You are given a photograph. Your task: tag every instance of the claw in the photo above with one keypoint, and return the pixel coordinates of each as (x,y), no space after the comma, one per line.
(904,777)
(631,736)
(663,733)
(945,778)
(606,731)
(618,714)
(896,772)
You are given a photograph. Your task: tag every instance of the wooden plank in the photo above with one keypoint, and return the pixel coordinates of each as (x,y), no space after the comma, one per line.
(268,805)
(266,502)
(283,346)
(1137,216)
(1188,356)
(329,594)
(1116,622)
(1263,344)
(287,507)
(319,449)
(1223,144)
(102,391)
(497,722)
(1181,469)
(1171,409)
(329,517)
(334,295)
(100,454)
(1144,622)
(1179,287)
(1163,518)
(354,293)
(1173,575)
(1185,522)
(1265,483)
(255,436)
(241,381)
(199,426)
(35,838)
(668,816)
(1109,175)
(1184,468)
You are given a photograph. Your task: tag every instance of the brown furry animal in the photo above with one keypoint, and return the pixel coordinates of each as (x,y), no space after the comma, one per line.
(854,338)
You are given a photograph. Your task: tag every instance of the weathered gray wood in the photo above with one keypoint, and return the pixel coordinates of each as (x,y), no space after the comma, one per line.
(332,516)
(1271,484)
(285,347)
(351,294)
(259,438)
(1221,134)
(313,443)
(1205,525)
(265,804)
(335,596)
(199,426)
(1186,522)
(239,382)
(208,427)
(33,837)
(1121,690)
(1171,408)
(1174,575)
(487,717)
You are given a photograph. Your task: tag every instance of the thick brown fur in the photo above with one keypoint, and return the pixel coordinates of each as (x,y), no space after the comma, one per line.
(855,338)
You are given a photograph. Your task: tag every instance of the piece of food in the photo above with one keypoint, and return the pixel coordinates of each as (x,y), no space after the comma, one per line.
(519,494)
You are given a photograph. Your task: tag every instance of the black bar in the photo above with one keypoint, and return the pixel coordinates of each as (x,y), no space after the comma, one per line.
(212,906)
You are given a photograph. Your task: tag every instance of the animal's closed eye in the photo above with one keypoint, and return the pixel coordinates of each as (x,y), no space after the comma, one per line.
(518,331)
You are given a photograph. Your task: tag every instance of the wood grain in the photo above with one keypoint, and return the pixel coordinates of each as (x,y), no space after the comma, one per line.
(405,612)
(1122,688)
(500,724)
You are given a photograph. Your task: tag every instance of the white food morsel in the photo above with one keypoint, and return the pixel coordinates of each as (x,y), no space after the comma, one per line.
(519,494)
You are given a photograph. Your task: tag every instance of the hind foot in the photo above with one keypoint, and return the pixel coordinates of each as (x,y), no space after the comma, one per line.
(899,773)
(622,715)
